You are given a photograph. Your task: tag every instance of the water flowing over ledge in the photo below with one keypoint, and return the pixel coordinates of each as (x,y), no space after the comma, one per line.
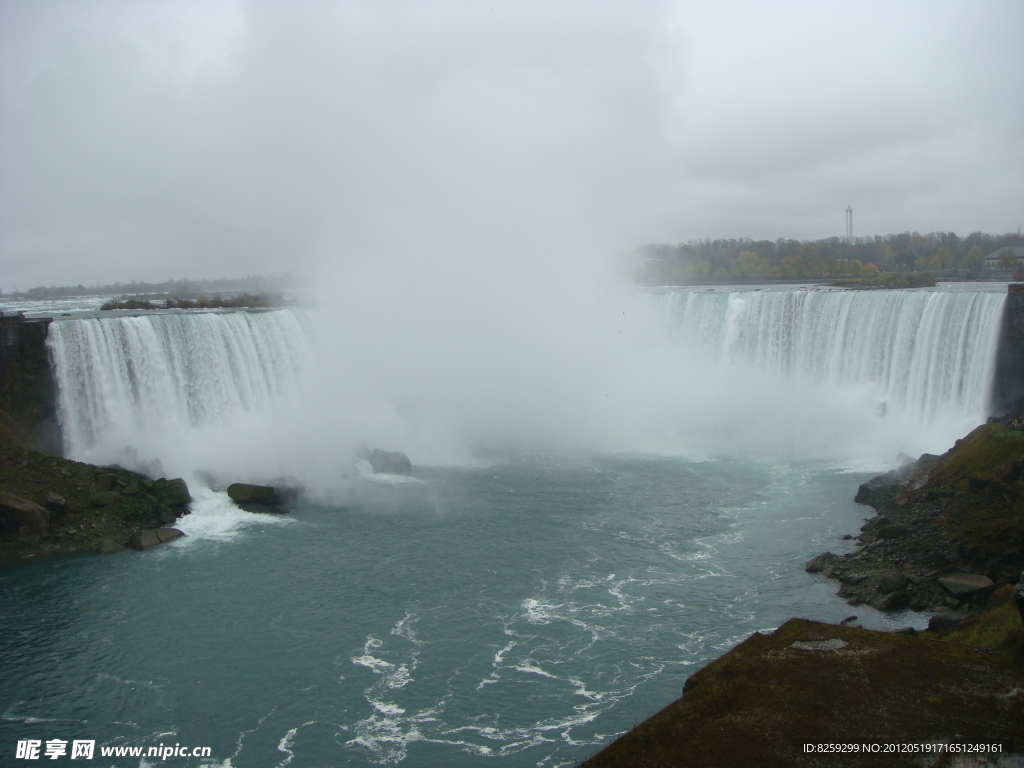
(802,372)
(925,352)
(122,377)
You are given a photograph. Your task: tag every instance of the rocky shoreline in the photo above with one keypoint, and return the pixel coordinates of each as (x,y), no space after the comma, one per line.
(947,537)
(947,530)
(50,505)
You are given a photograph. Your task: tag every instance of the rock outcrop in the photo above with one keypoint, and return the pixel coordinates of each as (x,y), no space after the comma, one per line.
(947,529)
(827,686)
(22,520)
(51,505)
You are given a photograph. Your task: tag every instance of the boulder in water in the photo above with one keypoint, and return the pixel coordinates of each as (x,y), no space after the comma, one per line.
(150,538)
(288,489)
(143,539)
(389,462)
(109,547)
(821,562)
(248,493)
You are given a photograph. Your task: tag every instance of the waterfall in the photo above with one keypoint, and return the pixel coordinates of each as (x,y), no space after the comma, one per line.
(779,373)
(924,354)
(124,379)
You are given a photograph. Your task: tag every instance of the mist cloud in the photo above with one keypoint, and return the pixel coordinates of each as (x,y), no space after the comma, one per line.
(216,139)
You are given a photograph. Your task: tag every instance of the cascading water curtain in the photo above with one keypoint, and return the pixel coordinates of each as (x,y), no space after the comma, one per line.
(926,352)
(119,376)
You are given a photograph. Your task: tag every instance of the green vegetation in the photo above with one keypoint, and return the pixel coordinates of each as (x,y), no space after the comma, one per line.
(708,261)
(86,505)
(887,280)
(999,629)
(246,300)
(767,697)
(184,288)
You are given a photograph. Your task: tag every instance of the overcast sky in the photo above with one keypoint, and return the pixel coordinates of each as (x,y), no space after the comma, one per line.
(143,140)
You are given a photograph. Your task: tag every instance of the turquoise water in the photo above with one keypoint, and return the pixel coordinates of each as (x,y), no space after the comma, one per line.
(517,613)
(504,607)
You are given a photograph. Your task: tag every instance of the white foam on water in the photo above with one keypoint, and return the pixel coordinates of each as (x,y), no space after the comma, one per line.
(215,517)
(534,670)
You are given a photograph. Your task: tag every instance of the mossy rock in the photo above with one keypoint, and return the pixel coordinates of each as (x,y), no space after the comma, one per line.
(812,683)
(989,453)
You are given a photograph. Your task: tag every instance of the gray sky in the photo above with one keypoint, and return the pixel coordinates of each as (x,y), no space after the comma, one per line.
(208,138)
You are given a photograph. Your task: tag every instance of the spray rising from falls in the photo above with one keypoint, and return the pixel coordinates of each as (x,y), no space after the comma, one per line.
(840,375)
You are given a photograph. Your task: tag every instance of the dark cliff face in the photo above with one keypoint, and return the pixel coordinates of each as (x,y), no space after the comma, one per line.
(27,388)
(1008,385)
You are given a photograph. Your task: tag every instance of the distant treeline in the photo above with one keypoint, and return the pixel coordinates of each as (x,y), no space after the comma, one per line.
(708,260)
(253,284)
(246,300)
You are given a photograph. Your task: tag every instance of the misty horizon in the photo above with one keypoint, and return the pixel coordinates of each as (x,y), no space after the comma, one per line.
(244,137)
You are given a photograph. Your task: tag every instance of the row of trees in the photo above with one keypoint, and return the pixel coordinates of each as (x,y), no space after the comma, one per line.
(182,288)
(745,259)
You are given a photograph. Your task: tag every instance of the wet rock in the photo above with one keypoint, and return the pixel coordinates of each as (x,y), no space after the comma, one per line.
(943,622)
(288,489)
(143,539)
(891,582)
(173,493)
(247,493)
(877,489)
(22,520)
(165,514)
(265,509)
(168,534)
(852,579)
(390,462)
(109,547)
(821,562)
(893,601)
(102,499)
(150,538)
(893,531)
(55,504)
(967,586)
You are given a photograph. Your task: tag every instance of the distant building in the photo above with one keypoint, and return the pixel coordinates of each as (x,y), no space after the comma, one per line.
(1013,251)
